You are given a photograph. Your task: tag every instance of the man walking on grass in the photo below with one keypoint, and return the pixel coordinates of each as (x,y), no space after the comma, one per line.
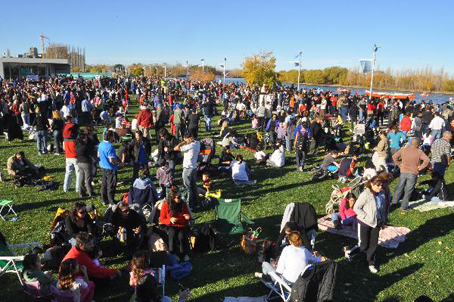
(408,159)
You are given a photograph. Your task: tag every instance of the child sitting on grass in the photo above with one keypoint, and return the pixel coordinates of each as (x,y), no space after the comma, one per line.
(69,280)
(260,156)
(369,170)
(32,272)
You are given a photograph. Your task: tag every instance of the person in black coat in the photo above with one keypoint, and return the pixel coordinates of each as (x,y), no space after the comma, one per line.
(133,223)
(79,221)
(167,143)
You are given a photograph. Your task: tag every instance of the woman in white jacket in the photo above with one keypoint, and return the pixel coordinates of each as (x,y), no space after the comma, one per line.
(371,215)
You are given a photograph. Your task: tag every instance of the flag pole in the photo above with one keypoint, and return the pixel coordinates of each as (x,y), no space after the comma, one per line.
(225,62)
(299,71)
(372,74)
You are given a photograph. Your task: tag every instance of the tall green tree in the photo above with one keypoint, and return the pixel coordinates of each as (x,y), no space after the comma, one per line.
(260,69)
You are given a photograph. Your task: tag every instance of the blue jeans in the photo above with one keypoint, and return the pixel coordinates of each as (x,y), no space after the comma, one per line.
(436,134)
(361,116)
(190,183)
(71,165)
(343,112)
(347,222)
(207,123)
(440,168)
(58,140)
(41,141)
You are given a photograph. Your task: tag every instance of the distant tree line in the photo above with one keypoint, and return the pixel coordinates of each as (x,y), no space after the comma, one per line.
(409,79)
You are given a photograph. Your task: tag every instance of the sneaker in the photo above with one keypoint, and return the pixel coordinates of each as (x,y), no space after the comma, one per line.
(186,258)
(373,269)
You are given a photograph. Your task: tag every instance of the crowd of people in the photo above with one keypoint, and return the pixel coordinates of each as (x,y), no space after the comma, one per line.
(399,134)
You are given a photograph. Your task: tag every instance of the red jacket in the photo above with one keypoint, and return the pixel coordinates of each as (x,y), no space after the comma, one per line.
(405,124)
(93,270)
(145,118)
(67,130)
(165,216)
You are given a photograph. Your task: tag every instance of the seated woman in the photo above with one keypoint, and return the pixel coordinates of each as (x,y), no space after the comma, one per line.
(240,170)
(73,277)
(79,221)
(175,216)
(133,223)
(346,215)
(293,261)
(437,190)
(147,291)
(32,272)
(277,158)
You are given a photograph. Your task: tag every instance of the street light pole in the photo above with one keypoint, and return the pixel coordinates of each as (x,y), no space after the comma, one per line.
(165,70)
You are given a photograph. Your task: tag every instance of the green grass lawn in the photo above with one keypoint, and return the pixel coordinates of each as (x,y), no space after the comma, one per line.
(424,264)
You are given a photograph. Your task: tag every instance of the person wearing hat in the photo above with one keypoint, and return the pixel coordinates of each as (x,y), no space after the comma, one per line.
(145,121)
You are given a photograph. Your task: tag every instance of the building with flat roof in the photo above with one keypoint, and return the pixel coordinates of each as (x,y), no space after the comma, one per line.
(12,68)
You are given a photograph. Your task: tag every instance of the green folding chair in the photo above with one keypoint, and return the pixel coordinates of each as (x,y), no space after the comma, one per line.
(9,262)
(229,217)
(8,204)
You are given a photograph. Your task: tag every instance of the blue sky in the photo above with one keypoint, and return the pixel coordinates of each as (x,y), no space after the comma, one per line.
(411,33)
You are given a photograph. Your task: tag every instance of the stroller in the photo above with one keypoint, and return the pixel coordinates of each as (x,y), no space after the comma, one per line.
(206,155)
(339,193)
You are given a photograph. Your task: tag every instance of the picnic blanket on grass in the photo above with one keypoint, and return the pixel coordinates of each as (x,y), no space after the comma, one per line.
(390,237)
(424,206)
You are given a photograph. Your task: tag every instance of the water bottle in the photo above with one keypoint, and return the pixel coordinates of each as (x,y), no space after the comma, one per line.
(123,235)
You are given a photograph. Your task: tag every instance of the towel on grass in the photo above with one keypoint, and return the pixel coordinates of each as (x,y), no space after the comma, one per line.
(424,206)
(245,299)
(389,237)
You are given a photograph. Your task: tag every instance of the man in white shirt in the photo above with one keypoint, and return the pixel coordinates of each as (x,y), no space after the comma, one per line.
(436,125)
(190,149)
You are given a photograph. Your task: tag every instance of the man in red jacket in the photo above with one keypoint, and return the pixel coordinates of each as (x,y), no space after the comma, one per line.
(145,121)
(80,252)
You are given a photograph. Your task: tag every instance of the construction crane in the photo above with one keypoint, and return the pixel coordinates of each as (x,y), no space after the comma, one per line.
(42,37)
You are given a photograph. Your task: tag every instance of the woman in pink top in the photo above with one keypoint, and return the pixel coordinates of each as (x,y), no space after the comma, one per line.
(346,215)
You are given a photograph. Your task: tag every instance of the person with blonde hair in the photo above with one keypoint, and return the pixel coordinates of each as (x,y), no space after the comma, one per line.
(57,128)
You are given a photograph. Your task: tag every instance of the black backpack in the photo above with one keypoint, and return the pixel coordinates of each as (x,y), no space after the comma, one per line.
(205,238)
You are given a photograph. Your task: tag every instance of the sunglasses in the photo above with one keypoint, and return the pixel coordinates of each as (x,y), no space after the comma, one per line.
(82,212)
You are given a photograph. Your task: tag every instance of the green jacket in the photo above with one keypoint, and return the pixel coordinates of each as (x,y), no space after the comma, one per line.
(45,281)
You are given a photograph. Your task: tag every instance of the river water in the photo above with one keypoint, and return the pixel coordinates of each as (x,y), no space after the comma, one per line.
(437,98)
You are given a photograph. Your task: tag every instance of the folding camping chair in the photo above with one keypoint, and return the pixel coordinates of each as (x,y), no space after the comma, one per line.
(9,262)
(278,287)
(229,217)
(8,204)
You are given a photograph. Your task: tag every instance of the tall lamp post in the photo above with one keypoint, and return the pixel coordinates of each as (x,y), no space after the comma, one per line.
(297,63)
